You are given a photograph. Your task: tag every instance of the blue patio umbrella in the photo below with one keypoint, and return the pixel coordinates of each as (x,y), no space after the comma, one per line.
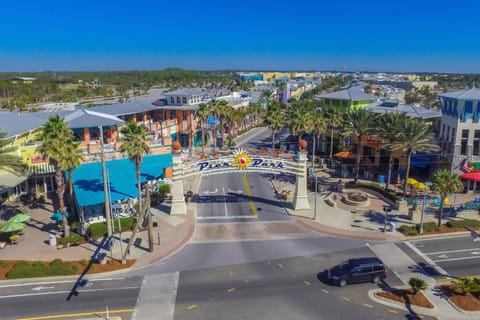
(57,216)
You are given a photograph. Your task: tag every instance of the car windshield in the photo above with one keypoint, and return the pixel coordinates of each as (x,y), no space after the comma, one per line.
(344,266)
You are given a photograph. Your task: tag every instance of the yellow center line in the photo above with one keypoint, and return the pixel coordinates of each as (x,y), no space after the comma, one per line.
(325,291)
(307,282)
(279,265)
(366,305)
(345,298)
(80,314)
(193,306)
(231,290)
(392,311)
(249,193)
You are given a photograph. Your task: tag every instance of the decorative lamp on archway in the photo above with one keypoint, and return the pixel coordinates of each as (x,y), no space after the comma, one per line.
(176,146)
(302,144)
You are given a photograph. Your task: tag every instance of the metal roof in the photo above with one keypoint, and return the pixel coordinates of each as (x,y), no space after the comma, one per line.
(184,92)
(126,108)
(87,119)
(472,93)
(354,93)
(14,123)
(412,111)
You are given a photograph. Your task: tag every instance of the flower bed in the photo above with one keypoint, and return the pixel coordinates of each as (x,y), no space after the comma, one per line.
(406,296)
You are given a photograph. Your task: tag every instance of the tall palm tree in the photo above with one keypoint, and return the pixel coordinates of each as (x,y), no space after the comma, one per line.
(266,97)
(358,122)
(218,108)
(445,183)
(319,125)
(9,161)
(72,160)
(275,119)
(300,120)
(56,139)
(388,128)
(202,114)
(135,144)
(334,118)
(413,138)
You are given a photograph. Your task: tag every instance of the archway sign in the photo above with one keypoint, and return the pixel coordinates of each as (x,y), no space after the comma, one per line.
(239,162)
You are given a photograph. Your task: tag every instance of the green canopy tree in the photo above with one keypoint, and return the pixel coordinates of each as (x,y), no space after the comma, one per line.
(56,143)
(73,159)
(135,145)
(202,114)
(444,182)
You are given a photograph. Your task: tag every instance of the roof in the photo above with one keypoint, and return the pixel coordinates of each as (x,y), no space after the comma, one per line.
(126,108)
(83,118)
(14,123)
(184,92)
(88,182)
(354,93)
(412,111)
(472,93)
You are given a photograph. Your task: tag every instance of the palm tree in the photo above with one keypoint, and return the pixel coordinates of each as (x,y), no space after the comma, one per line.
(72,160)
(445,183)
(300,120)
(266,97)
(358,122)
(202,114)
(334,118)
(319,126)
(8,160)
(275,119)
(413,138)
(219,108)
(56,139)
(135,144)
(388,128)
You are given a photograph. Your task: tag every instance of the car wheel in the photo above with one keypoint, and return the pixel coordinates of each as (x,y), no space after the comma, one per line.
(342,283)
(376,280)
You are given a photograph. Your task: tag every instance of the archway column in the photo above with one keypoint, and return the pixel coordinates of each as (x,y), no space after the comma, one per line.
(178,198)
(300,201)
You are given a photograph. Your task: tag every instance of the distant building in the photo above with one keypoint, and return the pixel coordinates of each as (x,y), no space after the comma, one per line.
(22,79)
(346,98)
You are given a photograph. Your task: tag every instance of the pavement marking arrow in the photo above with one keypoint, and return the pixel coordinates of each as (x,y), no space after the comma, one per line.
(42,288)
(443,256)
(211,192)
(233,191)
(475,252)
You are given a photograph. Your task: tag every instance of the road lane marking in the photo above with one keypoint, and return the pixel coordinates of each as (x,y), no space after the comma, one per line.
(54,282)
(324,291)
(191,307)
(345,298)
(425,257)
(307,282)
(392,311)
(280,265)
(80,314)
(225,203)
(366,305)
(227,217)
(231,290)
(451,251)
(455,259)
(64,291)
(249,194)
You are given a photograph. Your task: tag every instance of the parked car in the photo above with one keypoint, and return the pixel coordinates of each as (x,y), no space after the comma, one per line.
(357,271)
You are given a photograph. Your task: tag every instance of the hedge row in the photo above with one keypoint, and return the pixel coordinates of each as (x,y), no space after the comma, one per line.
(97,230)
(413,230)
(464,223)
(25,269)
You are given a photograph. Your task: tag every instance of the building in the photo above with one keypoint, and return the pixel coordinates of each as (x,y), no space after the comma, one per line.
(346,98)
(459,135)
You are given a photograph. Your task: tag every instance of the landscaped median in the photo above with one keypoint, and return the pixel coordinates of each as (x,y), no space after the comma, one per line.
(432,228)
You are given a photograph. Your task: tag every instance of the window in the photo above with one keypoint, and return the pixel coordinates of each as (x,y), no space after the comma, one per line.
(365,269)
(476,143)
(184,100)
(184,115)
(377,267)
(172,100)
(172,114)
(444,137)
(468,110)
(463,146)
(453,135)
(178,100)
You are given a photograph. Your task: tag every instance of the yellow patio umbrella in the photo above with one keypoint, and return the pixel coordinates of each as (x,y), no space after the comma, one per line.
(412,181)
(420,186)
(446,202)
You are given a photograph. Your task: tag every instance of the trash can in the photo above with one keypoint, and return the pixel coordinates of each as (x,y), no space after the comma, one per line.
(52,240)
(391,226)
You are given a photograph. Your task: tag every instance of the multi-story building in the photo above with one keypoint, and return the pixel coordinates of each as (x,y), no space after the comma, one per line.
(346,98)
(459,135)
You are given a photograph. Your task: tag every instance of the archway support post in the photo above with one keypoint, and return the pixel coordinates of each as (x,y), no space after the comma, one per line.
(178,198)
(300,201)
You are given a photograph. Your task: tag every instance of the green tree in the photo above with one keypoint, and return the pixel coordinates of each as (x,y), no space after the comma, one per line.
(266,96)
(9,161)
(467,285)
(135,145)
(56,140)
(358,122)
(275,119)
(202,114)
(319,125)
(417,284)
(413,137)
(300,119)
(73,159)
(334,119)
(445,183)
(389,125)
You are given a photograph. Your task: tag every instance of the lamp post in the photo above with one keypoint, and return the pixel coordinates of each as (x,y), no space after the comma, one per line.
(315,203)
(426,184)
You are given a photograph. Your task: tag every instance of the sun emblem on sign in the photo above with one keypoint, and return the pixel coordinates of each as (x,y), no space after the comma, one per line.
(241,159)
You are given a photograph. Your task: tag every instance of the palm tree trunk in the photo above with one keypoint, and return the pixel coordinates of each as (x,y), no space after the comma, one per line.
(331,144)
(140,215)
(203,138)
(313,150)
(406,175)
(357,161)
(389,171)
(273,139)
(61,203)
(442,199)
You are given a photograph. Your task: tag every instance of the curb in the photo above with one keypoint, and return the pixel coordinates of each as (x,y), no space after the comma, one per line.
(394,304)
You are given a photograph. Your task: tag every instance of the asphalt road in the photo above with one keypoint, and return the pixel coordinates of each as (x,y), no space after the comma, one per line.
(455,256)
(34,299)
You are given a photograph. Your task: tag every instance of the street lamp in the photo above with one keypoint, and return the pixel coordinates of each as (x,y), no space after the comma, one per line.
(315,203)
(426,185)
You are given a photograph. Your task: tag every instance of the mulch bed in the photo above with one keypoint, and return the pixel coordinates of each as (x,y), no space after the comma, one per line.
(406,296)
(111,265)
(467,302)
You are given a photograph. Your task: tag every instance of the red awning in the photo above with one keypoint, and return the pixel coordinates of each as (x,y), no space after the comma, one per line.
(474,176)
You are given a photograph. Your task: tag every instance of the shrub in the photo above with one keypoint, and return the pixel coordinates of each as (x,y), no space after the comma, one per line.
(73,239)
(4,264)
(471,223)
(467,285)
(408,230)
(429,227)
(164,188)
(84,262)
(57,267)
(126,224)
(417,284)
(37,263)
(99,229)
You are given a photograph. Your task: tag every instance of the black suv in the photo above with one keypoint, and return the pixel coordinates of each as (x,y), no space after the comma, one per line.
(357,271)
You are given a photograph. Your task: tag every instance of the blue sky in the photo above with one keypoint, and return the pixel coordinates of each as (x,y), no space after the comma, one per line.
(368,35)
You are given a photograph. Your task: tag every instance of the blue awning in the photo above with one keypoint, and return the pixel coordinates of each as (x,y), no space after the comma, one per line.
(88,181)
(421,161)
